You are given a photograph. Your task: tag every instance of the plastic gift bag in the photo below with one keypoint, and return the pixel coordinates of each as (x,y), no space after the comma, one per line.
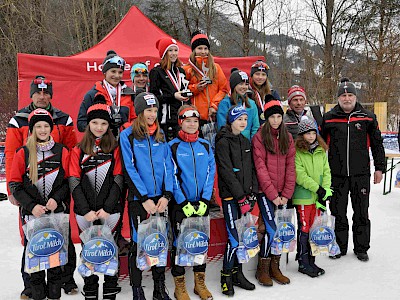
(285,236)
(152,243)
(192,242)
(322,236)
(248,240)
(99,251)
(397,181)
(209,131)
(47,246)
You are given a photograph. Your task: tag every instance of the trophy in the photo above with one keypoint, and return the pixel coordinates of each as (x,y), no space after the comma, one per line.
(205,78)
(185,92)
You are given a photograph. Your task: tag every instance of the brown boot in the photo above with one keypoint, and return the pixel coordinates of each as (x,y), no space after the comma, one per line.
(180,288)
(262,274)
(275,272)
(200,287)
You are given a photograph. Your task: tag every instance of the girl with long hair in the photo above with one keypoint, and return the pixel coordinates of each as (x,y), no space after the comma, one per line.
(274,154)
(39,183)
(96,184)
(148,169)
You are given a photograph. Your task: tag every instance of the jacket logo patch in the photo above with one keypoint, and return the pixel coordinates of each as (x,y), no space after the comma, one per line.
(358,126)
(247,150)
(200,153)
(156,144)
(140,145)
(183,154)
(236,170)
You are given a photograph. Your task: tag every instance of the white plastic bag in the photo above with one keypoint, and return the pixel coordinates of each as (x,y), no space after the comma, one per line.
(99,251)
(192,242)
(47,246)
(248,240)
(152,243)
(322,236)
(285,235)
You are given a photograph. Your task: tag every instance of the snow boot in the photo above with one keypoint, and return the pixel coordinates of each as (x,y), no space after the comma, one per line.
(110,293)
(70,288)
(319,270)
(90,294)
(275,272)
(363,256)
(239,280)
(160,292)
(138,293)
(200,287)
(26,293)
(91,287)
(303,254)
(180,288)
(262,273)
(226,283)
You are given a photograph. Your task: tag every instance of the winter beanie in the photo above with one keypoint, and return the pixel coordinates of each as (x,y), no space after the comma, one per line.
(40,83)
(37,115)
(198,39)
(145,100)
(272,107)
(112,60)
(99,111)
(236,112)
(139,68)
(259,65)
(164,44)
(237,77)
(346,86)
(306,124)
(294,91)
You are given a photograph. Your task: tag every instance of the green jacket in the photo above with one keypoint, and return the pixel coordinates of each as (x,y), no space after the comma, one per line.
(312,171)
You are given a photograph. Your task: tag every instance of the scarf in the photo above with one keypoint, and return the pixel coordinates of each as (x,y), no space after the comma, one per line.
(188,137)
(152,128)
(45,146)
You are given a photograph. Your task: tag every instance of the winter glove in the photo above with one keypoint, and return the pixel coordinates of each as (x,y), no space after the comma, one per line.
(320,204)
(188,209)
(328,194)
(244,205)
(203,208)
(321,192)
(252,198)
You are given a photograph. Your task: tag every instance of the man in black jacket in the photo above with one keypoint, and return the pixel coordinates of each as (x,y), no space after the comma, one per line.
(350,130)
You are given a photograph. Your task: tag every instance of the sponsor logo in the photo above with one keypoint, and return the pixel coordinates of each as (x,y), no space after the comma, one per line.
(250,239)
(46,242)
(154,244)
(196,242)
(322,236)
(98,251)
(286,231)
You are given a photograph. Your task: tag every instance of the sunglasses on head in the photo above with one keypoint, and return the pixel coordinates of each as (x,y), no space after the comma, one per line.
(41,81)
(189,114)
(119,61)
(141,71)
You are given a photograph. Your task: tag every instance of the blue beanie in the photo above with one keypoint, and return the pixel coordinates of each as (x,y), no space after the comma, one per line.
(236,112)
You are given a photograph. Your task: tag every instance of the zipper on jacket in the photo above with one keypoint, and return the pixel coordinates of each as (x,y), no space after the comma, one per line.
(194,168)
(152,167)
(348,143)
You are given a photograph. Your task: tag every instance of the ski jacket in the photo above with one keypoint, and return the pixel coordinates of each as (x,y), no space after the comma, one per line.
(349,136)
(312,171)
(194,170)
(275,171)
(126,109)
(95,181)
(52,179)
(292,120)
(163,88)
(252,119)
(236,173)
(18,132)
(211,95)
(147,166)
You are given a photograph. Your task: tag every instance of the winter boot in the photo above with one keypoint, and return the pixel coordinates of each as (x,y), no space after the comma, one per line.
(304,256)
(239,280)
(262,274)
(319,270)
(226,283)
(138,293)
(70,287)
(110,293)
(90,295)
(160,292)
(91,287)
(200,287)
(26,293)
(180,288)
(275,272)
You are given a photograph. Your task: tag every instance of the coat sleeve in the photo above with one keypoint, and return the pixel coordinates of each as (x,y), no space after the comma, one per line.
(81,205)
(378,152)
(290,174)
(225,170)
(302,178)
(209,183)
(116,188)
(62,194)
(179,196)
(327,178)
(69,136)
(264,179)
(14,140)
(135,182)
(155,85)
(16,182)
(168,171)
(222,112)
(255,122)
(222,88)
(82,114)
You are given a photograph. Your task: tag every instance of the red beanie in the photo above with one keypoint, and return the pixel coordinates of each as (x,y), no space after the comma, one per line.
(294,91)
(163,45)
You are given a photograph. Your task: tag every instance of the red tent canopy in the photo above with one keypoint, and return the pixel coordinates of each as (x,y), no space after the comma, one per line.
(134,39)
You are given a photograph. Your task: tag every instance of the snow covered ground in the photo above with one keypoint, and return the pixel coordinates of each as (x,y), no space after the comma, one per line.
(346,278)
